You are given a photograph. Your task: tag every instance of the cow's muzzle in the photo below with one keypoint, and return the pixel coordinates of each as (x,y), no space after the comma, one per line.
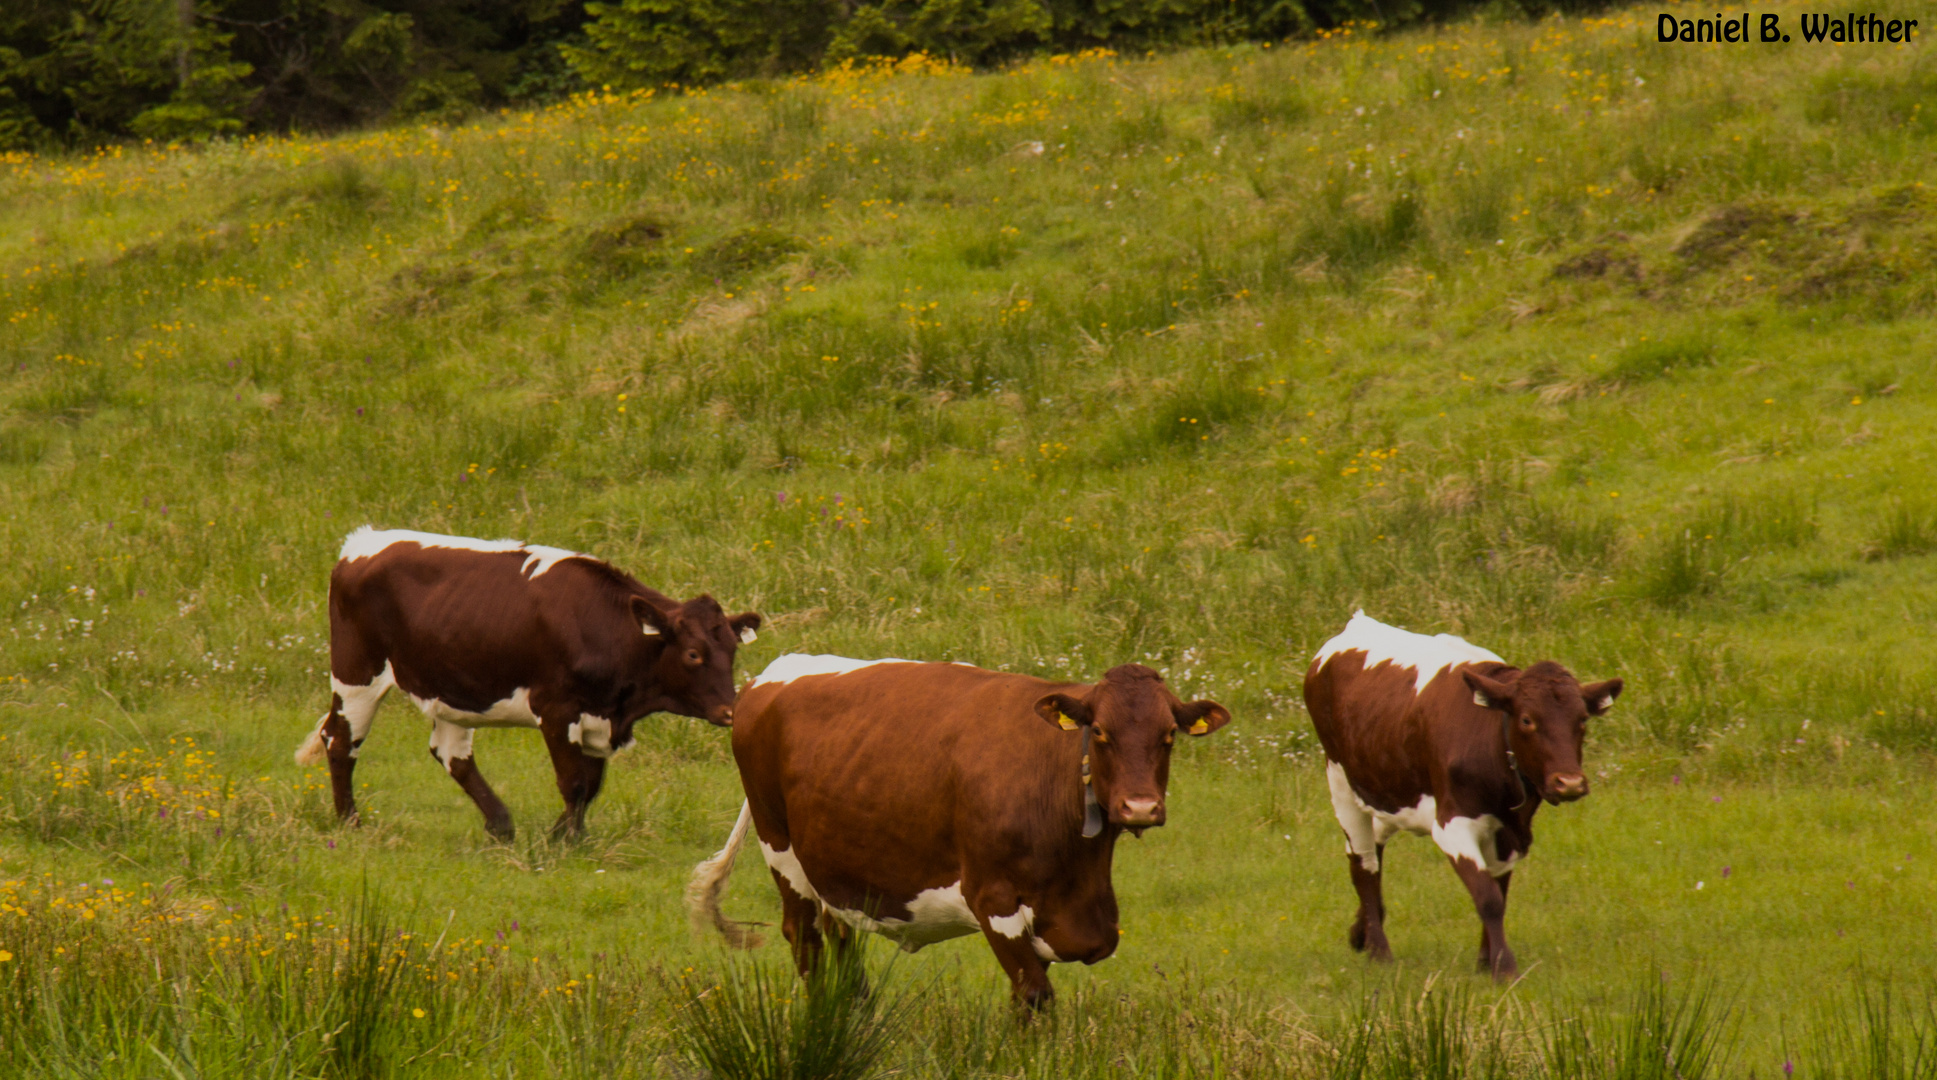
(721,715)
(1567,788)
(1140,813)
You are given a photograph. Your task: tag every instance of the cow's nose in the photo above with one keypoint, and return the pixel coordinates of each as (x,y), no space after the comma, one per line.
(722,715)
(1143,812)
(1570,787)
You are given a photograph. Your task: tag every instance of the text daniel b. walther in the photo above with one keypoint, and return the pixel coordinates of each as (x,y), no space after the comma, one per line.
(1851,27)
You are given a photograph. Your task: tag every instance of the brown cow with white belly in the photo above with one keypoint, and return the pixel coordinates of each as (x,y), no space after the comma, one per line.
(495,633)
(930,801)
(1435,736)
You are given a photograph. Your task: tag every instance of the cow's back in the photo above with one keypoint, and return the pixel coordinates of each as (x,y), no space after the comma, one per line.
(471,622)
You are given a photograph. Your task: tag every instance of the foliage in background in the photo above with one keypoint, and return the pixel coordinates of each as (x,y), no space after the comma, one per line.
(89,71)
(85,72)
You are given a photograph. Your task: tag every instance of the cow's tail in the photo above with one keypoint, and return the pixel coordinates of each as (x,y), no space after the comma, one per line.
(314,751)
(709,880)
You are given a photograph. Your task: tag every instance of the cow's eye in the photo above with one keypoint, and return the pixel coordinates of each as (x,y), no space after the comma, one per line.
(1526,722)
(692,656)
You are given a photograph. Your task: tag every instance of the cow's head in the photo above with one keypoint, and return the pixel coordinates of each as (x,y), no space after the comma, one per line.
(1133,719)
(1546,711)
(688,653)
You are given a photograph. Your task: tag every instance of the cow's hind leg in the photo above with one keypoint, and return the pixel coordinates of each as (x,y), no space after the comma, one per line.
(1490,901)
(1365,857)
(451,745)
(580,776)
(800,924)
(1368,929)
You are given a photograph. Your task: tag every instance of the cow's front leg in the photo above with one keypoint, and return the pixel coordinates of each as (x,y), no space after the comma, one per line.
(1490,901)
(1028,974)
(451,746)
(1368,929)
(580,776)
(1489,943)
(1009,926)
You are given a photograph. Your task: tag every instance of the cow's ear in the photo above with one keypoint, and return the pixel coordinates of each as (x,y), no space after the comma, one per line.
(1065,712)
(1489,693)
(654,622)
(1201,717)
(744,625)
(1600,696)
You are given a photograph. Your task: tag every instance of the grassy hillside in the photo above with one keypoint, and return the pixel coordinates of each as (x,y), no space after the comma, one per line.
(1578,345)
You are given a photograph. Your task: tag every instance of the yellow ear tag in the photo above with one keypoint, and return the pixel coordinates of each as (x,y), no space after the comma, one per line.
(1200,727)
(1065,722)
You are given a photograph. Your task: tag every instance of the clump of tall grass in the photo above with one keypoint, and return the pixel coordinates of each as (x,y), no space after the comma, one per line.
(1693,562)
(99,982)
(754,1022)
(1877,1034)
(1662,1035)
(1909,528)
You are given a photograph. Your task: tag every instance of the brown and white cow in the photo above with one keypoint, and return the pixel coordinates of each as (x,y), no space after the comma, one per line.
(1435,736)
(495,633)
(930,801)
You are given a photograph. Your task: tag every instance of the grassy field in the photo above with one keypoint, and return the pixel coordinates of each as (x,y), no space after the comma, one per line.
(1581,346)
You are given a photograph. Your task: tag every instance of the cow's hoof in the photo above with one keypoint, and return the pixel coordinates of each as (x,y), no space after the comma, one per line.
(351,820)
(1379,952)
(501,831)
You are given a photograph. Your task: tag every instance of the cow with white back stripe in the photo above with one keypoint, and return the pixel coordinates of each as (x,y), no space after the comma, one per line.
(1435,736)
(496,633)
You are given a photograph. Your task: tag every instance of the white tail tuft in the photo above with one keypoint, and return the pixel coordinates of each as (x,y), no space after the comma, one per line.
(709,880)
(313,752)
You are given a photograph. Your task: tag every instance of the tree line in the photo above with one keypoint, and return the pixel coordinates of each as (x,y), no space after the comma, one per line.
(84,72)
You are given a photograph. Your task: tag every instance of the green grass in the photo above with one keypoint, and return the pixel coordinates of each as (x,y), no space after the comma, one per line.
(1541,334)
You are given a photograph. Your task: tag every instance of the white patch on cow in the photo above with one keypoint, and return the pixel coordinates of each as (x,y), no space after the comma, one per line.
(1014,926)
(649,629)
(748,637)
(360,702)
(1382,644)
(1354,817)
(933,915)
(1417,819)
(368,541)
(785,863)
(1366,829)
(449,742)
(786,669)
(1606,703)
(592,735)
(544,558)
(1043,950)
(1474,839)
(514,711)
